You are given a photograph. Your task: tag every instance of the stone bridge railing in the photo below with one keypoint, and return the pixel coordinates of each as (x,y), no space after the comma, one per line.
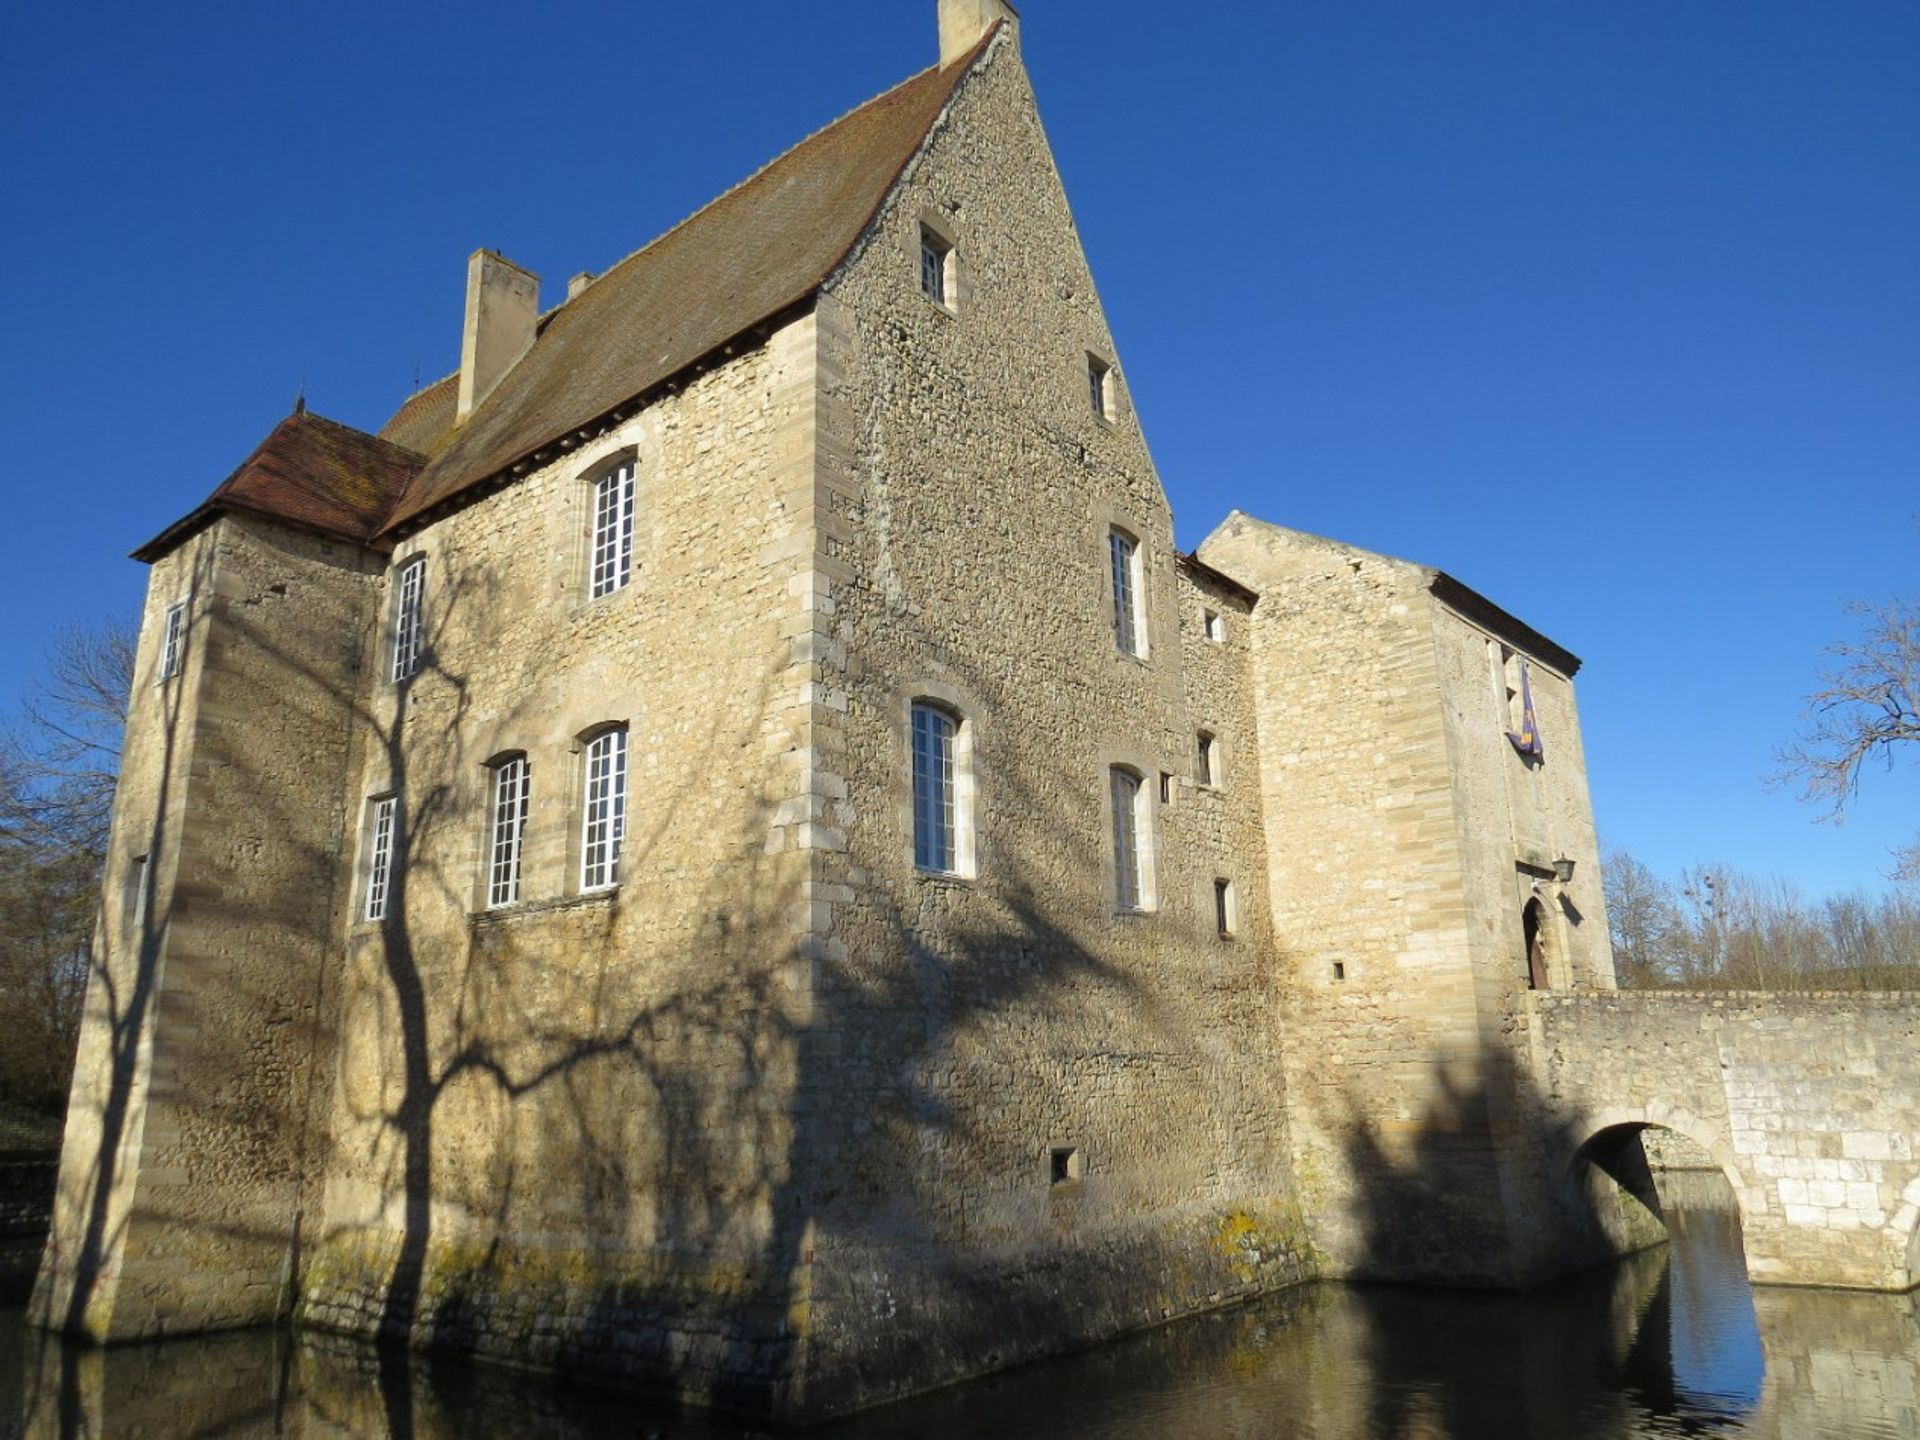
(1809,1102)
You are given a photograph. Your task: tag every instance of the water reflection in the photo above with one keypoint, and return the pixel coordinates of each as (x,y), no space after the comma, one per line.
(1672,1342)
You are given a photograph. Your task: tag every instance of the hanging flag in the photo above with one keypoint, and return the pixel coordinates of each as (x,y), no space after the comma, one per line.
(1527,739)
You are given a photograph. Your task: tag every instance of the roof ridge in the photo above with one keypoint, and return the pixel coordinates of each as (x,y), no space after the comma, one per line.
(359,434)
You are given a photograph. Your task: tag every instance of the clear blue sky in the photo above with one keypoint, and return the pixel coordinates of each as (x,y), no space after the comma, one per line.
(1611,310)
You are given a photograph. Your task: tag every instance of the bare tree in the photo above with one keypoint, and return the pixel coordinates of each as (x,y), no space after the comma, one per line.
(58,766)
(1865,712)
(1649,936)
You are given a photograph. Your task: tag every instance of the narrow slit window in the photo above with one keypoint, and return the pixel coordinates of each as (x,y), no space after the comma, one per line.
(936,257)
(408,616)
(1213,626)
(1125,790)
(1123,557)
(1224,919)
(612,531)
(1100,386)
(934,809)
(380,821)
(605,822)
(512,787)
(138,888)
(1206,760)
(173,644)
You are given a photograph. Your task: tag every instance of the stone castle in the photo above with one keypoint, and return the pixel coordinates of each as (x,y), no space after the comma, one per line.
(726,846)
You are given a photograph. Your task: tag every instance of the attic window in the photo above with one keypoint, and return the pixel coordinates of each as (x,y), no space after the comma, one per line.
(936,268)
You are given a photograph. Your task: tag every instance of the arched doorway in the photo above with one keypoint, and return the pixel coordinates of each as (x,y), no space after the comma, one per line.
(1533,934)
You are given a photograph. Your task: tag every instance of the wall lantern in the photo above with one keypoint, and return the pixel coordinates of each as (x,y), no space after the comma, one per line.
(1563,870)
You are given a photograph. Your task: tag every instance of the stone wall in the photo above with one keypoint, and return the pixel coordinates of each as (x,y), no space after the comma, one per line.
(1810,1103)
(563,1129)
(187,1130)
(969,1026)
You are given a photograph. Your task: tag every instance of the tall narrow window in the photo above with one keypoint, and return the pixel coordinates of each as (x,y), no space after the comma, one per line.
(1100,386)
(605,823)
(173,642)
(935,260)
(1128,889)
(934,829)
(380,820)
(1224,919)
(511,787)
(1123,556)
(408,612)
(612,531)
(1206,760)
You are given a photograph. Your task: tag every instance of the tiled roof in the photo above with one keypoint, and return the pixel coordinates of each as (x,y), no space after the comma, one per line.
(313,471)
(753,253)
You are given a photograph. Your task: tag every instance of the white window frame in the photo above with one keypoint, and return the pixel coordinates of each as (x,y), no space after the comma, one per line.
(610,556)
(1125,591)
(383,819)
(506,829)
(1130,836)
(603,819)
(173,640)
(409,618)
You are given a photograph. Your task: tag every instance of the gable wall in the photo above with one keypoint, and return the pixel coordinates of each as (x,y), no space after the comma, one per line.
(983,1021)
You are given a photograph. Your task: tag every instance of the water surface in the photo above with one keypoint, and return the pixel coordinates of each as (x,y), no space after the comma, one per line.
(1671,1342)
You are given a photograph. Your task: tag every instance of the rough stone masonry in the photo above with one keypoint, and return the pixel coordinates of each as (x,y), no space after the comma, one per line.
(726,847)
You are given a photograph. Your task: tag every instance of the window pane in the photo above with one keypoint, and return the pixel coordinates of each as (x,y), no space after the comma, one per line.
(510,790)
(380,857)
(933,271)
(170,647)
(606,811)
(1126,839)
(1120,550)
(612,532)
(933,790)
(407,620)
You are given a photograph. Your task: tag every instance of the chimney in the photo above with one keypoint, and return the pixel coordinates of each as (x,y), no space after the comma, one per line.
(503,303)
(963,22)
(579,283)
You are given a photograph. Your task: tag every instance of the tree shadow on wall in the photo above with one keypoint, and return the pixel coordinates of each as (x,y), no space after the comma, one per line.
(1490,1193)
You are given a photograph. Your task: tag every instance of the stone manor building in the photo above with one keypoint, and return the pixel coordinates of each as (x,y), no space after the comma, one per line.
(726,846)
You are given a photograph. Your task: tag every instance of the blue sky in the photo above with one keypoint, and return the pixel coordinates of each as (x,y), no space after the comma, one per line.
(1612,311)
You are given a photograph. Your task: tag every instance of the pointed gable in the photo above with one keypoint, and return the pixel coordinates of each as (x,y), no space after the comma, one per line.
(314,472)
(758,250)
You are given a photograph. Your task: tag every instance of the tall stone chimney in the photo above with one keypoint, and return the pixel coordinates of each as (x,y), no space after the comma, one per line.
(963,22)
(503,304)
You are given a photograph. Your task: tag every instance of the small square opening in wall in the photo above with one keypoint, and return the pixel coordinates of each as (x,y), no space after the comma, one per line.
(1339,969)
(1064,1165)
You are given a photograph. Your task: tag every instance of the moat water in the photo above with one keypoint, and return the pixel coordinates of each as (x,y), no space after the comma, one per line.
(1671,1342)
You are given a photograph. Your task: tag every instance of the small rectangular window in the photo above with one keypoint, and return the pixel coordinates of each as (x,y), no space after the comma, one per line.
(408,614)
(1166,788)
(173,641)
(1213,626)
(1124,788)
(1065,1165)
(511,787)
(1100,386)
(933,790)
(605,823)
(935,255)
(1339,970)
(612,532)
(1123,557)
(380,838)
(1206,758)
(1224,918)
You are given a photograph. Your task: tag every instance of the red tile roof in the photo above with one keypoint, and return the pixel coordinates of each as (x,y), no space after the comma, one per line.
(314,472)
(758,250)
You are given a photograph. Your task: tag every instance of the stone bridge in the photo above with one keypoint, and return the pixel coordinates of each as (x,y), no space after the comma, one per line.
(1809,1103)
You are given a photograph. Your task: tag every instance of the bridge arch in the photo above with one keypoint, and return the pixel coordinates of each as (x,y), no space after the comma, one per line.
(1598,1125)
